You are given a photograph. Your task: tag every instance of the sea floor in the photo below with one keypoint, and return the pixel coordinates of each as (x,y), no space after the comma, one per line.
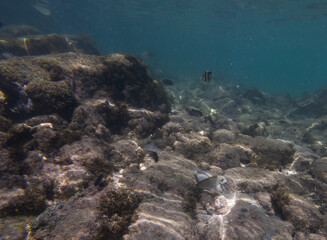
(92,147)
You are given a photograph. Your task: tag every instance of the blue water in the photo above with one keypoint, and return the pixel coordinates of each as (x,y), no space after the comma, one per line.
(278,46)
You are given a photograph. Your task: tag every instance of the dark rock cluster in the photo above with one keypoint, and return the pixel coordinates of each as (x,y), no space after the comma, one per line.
(64,119)
(92,147)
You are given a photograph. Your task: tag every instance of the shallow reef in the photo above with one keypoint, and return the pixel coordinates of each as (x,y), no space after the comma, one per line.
(92,147)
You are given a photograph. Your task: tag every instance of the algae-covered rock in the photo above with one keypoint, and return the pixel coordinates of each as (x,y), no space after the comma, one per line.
(227,156)
(191,145)
(82,44)
(116,210)
(311,105)
(14,228)
(15,31)
(302,214)
(272,154)
(257,129)
(77,218)
(255,96)
(31,45)
(129,81)
(91,137)
(52,97)
(319,169)
(56,83)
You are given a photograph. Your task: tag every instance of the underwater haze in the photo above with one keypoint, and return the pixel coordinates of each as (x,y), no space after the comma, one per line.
(174,119)
(278,46)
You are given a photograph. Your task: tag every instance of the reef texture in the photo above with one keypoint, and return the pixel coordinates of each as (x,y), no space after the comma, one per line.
(20,40)
(92,148)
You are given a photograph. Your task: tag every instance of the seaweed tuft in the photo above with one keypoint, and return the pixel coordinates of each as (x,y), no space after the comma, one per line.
(190,200)
(280,197)
(117,209)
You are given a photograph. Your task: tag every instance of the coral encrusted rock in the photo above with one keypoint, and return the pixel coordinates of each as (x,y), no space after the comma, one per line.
(58,83)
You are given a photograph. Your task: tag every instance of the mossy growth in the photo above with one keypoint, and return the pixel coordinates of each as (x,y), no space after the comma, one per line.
(5,123)
(309,138)
(116,118)
(18,135)
(144,127)
(280,197)
(56,73)
(117,209)
(68,136)
(17,138)
(190,200)
(243,186)
(52,97)
(160,185)
(3,102)
(131,83)
(32,203)
(99,165)
(271,154)
(47,219)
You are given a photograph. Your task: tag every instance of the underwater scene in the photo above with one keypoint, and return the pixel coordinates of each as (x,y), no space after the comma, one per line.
(176,119)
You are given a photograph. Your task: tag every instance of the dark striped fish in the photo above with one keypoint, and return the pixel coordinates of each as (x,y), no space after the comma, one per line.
(206,76)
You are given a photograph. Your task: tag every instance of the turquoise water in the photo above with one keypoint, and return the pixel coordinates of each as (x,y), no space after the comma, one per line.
(278,46)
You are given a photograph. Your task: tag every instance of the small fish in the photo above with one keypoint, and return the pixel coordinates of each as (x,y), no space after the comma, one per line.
(168,82)
(210,183)
(206,76)
(42,6)
(206,181)
(147,54)
(193,112)
(201,175)
(152,147)
(154,155)
(99,179)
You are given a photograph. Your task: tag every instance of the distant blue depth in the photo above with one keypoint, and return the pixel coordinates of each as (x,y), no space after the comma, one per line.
(277,46)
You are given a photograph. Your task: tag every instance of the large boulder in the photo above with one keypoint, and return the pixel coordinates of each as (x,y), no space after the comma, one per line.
(58,83)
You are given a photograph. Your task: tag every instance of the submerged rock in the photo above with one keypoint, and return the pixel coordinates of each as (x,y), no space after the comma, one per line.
(227,156)
(311,105)
(57,83)
(255,96)
(79,105)
(46,44)
(319,169)
(272,154)
(257,129)
(15,31)
(89,141)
